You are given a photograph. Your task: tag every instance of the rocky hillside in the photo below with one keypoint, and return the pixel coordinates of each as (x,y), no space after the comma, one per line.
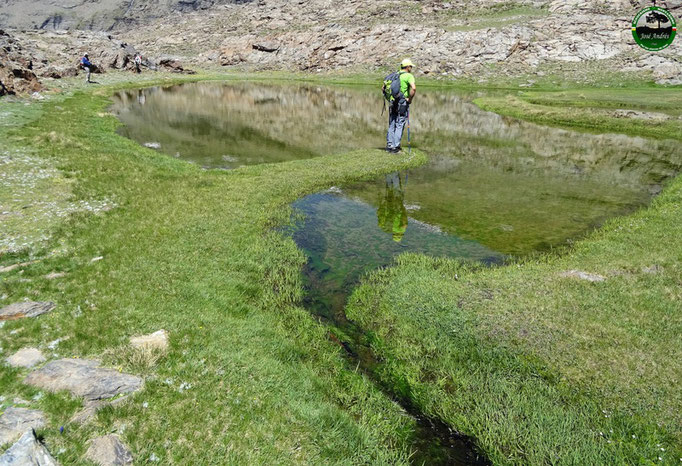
(16,68)
(27,57)
(453,38)
(484,40)
(98,15)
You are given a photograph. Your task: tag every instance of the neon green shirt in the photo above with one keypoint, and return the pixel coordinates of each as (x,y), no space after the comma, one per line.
(406,79)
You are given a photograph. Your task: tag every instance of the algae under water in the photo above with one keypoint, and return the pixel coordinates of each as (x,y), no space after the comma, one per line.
(494,187)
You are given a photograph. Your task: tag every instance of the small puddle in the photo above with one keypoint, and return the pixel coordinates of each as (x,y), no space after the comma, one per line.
(494,187)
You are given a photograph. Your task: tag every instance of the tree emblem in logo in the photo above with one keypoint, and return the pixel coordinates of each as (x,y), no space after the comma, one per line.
(654,28)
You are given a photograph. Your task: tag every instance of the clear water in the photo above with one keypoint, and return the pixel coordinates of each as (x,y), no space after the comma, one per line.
(495,187)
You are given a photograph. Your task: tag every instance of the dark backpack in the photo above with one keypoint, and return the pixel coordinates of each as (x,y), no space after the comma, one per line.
(392,87)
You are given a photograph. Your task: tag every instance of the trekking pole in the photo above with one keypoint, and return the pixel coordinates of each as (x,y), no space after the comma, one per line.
(409,142)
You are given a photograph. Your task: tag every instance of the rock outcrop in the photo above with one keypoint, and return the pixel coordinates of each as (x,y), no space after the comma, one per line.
(25,309)
(26,357)
(109,451)
(15,421)
(83,378)
(28,451)
(16,68)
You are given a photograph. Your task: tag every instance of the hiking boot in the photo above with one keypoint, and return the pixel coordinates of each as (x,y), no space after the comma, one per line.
(396,150)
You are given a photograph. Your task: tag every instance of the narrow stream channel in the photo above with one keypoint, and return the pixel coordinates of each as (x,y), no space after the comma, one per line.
(494,188)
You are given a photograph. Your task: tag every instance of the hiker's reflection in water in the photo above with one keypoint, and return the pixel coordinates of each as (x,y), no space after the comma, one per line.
(391,214)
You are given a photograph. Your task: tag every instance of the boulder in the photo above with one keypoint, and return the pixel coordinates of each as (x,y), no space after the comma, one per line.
(26,357)
(109,451)
(28,451)
(266,46)
(16,70)
(156,340)
(25,309)
(174,66)
(16,421)
(84,378)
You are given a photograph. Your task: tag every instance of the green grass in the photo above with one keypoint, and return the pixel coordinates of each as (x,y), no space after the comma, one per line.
(193,252)
(593,109)
(538,367)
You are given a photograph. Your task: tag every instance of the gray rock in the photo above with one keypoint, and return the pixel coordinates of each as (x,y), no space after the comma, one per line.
(84,378)
(91,408)
(109,451)
(590,277)
(156,340)
(26,357)
(28,451)
(9,268)
(266,46)
(16,421)
(25,309)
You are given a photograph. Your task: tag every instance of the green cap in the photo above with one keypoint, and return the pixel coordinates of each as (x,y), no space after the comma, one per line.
(406,62)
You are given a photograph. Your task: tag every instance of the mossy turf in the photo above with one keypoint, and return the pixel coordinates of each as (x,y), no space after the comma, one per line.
(537,364)
(250,377)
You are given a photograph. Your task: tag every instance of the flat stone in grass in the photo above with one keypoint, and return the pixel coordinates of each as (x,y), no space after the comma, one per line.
(9,268)
(84,378)
(16,421)
(26,357)
(25,309)
(590,277)
(91,407)
(109,451)
(157,340)
(28,451)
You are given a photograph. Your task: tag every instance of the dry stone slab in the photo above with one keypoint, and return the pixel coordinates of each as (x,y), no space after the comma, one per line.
(156,340)
(590,277)
(83,377)
(9,268)
(25,309)
(109,451)
(91,407)
(26,357)
(28,451)
(16,421)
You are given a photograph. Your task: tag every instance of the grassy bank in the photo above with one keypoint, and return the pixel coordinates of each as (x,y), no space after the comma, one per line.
(249,377)
(539,365)
(649,112)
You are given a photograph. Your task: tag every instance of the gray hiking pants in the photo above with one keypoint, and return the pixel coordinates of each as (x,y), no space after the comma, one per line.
(397,117)
(87,70)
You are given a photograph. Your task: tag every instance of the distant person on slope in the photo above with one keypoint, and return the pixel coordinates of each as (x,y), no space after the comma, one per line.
(138,63)
(86,65)
(399,89)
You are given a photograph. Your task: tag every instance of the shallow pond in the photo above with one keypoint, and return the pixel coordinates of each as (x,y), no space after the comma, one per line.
(494,188)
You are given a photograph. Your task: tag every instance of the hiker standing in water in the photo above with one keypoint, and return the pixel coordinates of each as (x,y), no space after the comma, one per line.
(398,89)
(86,65)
